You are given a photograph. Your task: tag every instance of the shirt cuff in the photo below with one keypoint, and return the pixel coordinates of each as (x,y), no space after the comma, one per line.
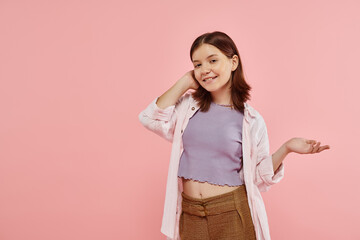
(265,172)
(156,113)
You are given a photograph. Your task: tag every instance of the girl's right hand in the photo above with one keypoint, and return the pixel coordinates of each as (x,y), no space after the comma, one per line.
(190,80)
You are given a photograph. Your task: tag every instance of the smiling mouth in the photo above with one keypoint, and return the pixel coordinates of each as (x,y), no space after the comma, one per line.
(209,79)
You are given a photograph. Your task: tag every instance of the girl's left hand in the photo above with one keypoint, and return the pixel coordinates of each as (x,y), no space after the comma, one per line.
(303,146)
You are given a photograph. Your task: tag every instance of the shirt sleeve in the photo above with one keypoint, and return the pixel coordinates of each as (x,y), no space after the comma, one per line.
(160,121)
(264,174)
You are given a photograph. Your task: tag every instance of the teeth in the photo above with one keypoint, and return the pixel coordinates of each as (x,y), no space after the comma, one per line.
(209,79)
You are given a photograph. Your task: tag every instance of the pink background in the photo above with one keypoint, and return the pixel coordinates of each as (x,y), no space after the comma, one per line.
(75,162)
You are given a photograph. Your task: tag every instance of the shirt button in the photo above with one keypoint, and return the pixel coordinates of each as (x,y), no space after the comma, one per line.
(181,131)
(193,108)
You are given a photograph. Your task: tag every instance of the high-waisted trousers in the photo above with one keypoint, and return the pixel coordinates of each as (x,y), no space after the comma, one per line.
(222,217)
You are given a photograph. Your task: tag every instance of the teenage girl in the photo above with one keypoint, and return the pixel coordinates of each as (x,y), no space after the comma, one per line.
(220,159)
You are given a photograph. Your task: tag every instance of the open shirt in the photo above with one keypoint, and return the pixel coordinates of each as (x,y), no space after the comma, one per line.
(257,172)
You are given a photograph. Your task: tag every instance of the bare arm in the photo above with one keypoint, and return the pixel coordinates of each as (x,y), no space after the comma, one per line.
(279,156)
(171,96)
(160,115)
(296,145)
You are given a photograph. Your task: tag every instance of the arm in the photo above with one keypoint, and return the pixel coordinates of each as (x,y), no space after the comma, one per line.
(171,96)
(265,175)
(270,168)
(279,156)
(161,114)
(297,145)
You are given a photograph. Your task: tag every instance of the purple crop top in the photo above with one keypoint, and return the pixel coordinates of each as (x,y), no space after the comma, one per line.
(212,144)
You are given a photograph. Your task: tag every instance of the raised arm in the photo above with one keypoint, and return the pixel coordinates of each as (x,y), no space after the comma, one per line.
(172,95)
(161,114)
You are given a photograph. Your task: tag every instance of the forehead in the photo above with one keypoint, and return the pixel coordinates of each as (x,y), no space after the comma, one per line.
(204,51)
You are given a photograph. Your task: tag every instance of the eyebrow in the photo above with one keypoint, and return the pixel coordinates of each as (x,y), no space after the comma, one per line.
(207,57)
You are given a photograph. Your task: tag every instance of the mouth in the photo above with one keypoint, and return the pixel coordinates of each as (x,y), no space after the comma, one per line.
(209,79)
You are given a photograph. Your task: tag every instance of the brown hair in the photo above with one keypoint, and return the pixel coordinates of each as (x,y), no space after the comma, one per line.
(239,88)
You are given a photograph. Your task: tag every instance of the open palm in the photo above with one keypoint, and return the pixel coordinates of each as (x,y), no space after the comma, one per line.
(303,146)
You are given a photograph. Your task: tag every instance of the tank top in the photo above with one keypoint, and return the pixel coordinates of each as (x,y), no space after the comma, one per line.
(212,144)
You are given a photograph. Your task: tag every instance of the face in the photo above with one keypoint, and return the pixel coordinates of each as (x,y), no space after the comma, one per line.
(211,64)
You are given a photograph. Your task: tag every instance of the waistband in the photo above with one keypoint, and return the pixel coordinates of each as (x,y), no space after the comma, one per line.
(214,205)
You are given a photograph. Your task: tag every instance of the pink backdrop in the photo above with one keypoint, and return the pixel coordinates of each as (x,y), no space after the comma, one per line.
(75,162)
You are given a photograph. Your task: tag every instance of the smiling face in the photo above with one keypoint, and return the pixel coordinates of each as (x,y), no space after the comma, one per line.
(211,65)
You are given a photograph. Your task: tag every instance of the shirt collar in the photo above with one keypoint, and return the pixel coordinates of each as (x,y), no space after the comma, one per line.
(249,112)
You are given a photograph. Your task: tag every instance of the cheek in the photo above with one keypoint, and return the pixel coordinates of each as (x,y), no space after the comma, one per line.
(197,75)
(218,69)
(224,69)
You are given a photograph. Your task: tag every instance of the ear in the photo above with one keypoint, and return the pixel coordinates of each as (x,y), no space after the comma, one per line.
(235,62)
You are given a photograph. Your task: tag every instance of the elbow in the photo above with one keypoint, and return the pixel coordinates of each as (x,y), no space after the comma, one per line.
(265,181)
(141,118)
(145,120)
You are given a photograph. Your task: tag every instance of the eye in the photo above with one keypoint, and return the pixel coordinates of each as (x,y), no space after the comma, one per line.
(214,60)
(197,65)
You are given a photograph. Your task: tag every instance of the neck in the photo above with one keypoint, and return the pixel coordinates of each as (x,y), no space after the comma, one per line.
(222,95)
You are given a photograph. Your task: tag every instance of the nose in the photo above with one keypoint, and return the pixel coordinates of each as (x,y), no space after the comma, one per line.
(205,69)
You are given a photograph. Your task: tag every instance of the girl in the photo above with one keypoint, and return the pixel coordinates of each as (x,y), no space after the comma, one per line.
(220,159)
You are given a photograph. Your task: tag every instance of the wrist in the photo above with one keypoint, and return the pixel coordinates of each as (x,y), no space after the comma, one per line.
(184,83)
(287,150)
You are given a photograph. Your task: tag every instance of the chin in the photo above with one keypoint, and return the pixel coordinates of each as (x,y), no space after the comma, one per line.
(211,89)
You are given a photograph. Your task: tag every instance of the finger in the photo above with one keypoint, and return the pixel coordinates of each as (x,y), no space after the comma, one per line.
(323,148)
(310,141)
(311,148)
(316,147)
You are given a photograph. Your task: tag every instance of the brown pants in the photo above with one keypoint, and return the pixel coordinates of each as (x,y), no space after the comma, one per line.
(223,217)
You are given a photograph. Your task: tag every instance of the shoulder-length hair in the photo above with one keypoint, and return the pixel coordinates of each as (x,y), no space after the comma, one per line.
(240,90)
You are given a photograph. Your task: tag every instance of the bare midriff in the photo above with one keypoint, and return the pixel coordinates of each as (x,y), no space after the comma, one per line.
(202,190)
